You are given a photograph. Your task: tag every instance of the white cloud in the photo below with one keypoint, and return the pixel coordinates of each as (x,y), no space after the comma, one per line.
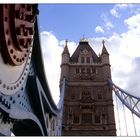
(107,22)
(52,59)
(99,29)
(133,23)
(115,11)
(109,25)
(122,6)
(52,49)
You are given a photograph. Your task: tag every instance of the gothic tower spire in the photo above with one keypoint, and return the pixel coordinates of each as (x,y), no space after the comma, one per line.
(65,61)
(66,51)
(104,50)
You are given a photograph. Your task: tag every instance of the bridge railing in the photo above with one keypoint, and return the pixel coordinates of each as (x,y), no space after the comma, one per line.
(130,101)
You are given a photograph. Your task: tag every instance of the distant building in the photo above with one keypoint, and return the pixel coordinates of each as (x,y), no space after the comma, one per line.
(88,103)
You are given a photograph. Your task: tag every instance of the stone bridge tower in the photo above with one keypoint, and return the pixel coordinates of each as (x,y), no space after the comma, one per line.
(88,104)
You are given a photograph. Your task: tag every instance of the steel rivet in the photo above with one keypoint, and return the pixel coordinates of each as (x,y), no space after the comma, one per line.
(7,31)
(9,42)
(11,98)
(17,59)
(13,101)
(5,19)
(11,51)
(23,59)
(4,85)
(14,56)
(7,87)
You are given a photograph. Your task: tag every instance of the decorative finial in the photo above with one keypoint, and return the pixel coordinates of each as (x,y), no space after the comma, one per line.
(83,39)
(66,42)
(103,42)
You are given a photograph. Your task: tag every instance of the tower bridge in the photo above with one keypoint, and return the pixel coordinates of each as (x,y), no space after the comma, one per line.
(26,104)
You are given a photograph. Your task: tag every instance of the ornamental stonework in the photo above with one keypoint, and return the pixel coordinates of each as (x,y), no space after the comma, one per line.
(86,106)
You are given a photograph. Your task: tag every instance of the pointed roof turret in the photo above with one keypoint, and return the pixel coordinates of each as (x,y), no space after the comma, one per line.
(104,50)
(83,44)
(66,51)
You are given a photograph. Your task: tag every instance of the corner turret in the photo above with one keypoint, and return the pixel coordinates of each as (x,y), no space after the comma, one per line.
(104,54)
(65,62)
(65,54)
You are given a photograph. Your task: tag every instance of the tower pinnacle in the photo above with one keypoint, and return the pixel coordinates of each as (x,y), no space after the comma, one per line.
(66,51)
(104,50)
(83,39)
(103,41)
(66,42)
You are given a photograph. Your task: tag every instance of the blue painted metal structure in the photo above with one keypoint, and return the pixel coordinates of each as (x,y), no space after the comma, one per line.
(130,101)
(26,104)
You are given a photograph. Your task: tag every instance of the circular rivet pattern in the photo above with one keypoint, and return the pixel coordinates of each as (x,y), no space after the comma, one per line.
(11,98)
(18,21)
(16,29)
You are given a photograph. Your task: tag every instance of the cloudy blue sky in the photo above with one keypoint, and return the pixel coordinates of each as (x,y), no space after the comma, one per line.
(92,20)
(117,24)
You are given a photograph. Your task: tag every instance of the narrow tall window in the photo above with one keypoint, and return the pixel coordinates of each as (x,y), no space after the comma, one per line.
(86,118)
(76,118)
(82,59)
(88,70)
(77,70)
(88,59)
(99,96)
(94,70)
(97,119)
(83,70)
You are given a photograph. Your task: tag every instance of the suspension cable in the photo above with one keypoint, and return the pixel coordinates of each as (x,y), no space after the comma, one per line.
(134,124)
(118,114)
(125,119)
(133,117)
